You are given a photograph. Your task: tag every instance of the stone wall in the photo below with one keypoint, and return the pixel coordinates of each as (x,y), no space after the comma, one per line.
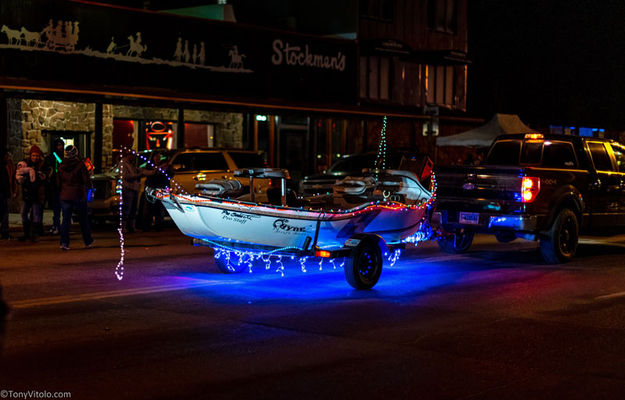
(42,115)
(15,140)
(107,136)
(28,119)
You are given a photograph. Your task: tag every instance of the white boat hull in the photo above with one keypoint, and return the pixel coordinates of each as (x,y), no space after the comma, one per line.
(277,227)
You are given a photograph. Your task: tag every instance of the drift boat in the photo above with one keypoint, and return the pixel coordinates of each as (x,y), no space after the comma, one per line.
(364,219)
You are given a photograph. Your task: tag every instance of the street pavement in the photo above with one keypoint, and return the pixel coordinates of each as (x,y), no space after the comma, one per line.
(495,323)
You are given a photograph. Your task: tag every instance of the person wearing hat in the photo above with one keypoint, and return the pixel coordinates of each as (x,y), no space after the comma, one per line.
(73,181)
(33,194)
(53,160)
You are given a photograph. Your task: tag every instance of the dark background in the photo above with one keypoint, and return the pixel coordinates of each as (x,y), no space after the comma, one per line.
(550,61)
(558,62)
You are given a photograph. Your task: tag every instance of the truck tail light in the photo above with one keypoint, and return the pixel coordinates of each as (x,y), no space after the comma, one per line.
(530,186)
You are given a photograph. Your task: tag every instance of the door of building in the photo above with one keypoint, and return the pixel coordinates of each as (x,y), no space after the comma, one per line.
(293,152)
(80,139)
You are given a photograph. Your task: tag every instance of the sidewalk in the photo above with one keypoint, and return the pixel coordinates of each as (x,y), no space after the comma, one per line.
(15,220)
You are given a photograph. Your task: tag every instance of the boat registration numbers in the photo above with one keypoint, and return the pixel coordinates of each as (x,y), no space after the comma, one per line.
(469,218)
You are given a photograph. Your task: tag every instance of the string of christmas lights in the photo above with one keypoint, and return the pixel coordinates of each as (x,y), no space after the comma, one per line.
(380,161)
(119,270)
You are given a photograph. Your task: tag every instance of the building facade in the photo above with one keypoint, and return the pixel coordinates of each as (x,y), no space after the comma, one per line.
(103,77)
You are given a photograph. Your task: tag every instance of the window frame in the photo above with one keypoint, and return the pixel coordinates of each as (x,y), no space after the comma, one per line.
(607,150)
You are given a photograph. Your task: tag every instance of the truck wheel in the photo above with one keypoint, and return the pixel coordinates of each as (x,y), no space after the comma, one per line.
(456,243)
(560,243)
(505,236)
(231,268)
(364,266)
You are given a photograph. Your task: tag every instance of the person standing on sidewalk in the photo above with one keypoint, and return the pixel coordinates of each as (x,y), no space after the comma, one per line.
(53,160)
(73,181)
(33,193)
(7,191)
(131,183)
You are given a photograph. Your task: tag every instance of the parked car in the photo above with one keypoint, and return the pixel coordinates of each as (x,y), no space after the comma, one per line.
(548,188)
(193,166)
(353,165)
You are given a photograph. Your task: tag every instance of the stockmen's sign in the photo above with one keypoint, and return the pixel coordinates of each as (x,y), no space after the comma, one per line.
(294,55)
(81,44)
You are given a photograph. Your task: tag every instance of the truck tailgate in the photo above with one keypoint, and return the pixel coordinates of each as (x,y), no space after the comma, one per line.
(480,188)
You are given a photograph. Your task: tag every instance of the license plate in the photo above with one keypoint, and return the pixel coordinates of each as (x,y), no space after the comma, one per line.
(469,218)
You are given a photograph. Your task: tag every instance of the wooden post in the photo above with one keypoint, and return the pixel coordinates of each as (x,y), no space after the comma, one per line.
(272,140)
(98,138)
(329,142)
(4,122)
(180,138)
(255,133)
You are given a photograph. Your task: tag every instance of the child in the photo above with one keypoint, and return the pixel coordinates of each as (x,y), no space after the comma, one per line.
(24,173)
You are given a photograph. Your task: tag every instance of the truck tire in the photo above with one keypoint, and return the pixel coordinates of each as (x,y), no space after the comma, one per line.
(456,243)
(559,244)
(364,266)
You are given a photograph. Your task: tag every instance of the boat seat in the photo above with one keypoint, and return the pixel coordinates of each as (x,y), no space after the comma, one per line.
(221,188)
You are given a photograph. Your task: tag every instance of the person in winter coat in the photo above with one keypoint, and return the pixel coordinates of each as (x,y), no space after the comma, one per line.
(7,191)
(53,160)
(73,181)
(32,177)
(131,184)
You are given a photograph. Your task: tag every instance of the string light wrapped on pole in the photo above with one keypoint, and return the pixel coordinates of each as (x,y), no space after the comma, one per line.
(380,161)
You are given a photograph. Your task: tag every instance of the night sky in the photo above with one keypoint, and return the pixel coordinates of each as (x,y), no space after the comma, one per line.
(551,62)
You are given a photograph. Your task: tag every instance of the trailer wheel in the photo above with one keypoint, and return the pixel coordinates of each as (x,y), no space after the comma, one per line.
(560,243)
(231,268)
(456,243)
(364,266)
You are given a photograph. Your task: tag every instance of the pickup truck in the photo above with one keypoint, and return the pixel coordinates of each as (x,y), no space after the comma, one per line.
(549,188)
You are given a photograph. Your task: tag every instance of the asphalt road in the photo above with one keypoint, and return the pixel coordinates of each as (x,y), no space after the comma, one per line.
(495,323)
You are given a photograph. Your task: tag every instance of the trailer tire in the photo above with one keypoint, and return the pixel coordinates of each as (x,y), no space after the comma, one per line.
(223,266)
(559,244)
(456,243)
(364,266)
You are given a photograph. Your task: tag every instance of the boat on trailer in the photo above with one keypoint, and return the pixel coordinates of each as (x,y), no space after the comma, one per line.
(366,220)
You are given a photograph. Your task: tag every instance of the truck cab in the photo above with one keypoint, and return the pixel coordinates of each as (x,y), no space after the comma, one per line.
(549,188)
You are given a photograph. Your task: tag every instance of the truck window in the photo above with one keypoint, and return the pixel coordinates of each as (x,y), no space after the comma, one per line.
(532,152)
(600,156)
(619,153)
(504,152)
(559,155)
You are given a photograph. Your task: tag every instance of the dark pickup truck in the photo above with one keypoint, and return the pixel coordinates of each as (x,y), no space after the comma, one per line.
(549,188)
